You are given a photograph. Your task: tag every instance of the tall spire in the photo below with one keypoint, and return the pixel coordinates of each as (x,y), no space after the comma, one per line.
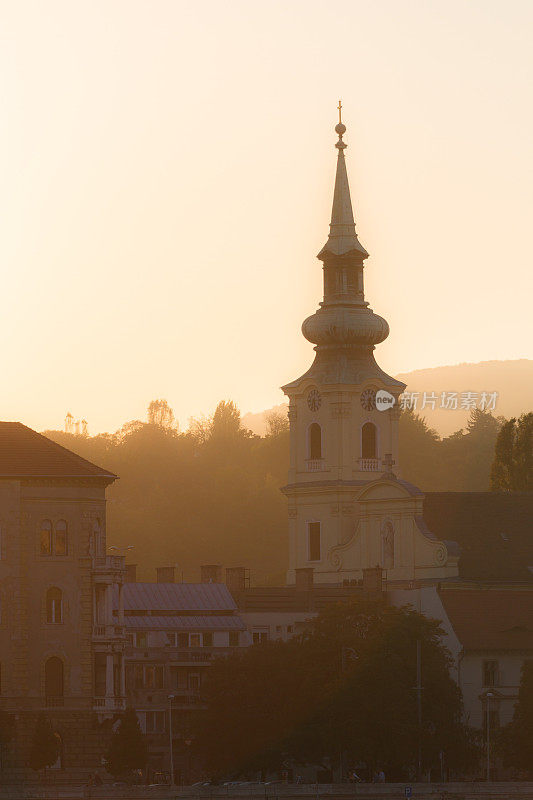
(342,238)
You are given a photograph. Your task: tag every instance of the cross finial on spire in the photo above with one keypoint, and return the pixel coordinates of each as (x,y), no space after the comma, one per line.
(340,128)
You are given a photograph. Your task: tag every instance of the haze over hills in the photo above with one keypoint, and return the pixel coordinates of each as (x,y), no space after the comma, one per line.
(512,380)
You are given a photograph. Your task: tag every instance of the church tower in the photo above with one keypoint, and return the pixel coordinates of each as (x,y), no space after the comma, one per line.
(348,508)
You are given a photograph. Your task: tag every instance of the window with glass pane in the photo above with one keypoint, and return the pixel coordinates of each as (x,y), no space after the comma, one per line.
(60,539)
(195,640)
(46,537)
(234,638)
(54,605)
(208,640)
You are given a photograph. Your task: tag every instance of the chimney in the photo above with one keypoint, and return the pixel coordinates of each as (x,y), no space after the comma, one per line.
(165,575)
(235,579)
(131,573)
(304,578)
(373,580)
(211,573)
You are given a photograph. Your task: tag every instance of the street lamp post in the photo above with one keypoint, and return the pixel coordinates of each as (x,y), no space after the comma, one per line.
(489,695)
(170,699)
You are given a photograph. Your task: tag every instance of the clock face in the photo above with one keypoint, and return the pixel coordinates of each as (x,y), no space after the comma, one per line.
(368,399)
(314,400)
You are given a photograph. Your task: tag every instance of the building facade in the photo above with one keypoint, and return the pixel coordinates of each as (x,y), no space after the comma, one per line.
(174,632)
(61,651)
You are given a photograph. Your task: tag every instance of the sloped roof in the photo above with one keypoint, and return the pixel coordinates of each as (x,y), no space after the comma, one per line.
(492,618)
(24,453)
(186,623)
(494,531)
(177,597)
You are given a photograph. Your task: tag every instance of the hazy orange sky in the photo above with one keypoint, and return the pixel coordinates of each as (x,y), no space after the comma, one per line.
(167,176)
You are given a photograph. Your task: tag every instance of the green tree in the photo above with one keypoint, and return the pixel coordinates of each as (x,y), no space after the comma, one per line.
(467,455)
(160,414)
(45,744)
(127,750)
(512,467)
(347,686)
(420,451)
(517,737)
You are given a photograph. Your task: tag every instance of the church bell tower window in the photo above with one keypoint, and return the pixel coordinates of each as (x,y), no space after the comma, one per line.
(368,441)
(314,541)
(315,441)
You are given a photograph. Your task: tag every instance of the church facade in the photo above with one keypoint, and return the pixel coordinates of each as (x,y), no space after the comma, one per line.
(349,510)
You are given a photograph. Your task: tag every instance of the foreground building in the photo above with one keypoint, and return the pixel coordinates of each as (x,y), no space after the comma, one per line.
(61,649)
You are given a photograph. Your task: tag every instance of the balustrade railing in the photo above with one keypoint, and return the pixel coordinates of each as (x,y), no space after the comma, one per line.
(369,464)
(316,465)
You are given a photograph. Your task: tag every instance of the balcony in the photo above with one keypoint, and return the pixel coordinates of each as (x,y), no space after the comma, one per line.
(186,697)
(108,704)
(369,464)
(183,657)
(106,564)
(102,633)
(316,465)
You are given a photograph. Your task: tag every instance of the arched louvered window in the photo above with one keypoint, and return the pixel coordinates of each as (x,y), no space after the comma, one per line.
(54,605)
(46,538)
(315,441)
(61,538)
(368,441)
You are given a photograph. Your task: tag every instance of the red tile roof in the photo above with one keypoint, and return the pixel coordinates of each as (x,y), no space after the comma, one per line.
(492,618)
(24,453)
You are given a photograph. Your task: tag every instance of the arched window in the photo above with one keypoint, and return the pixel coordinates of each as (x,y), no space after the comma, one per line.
(387,545)
(368,441)
(54,605)
(315,441)
(46,537)
(53,677)
(61,538)
(96,539)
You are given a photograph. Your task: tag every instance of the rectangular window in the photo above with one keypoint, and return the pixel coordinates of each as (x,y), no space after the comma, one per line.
(194,681)
(260,636)
(314,541)
(183,639)
(208,639)
(129,639)
(195,640)
(234,638)
(490,673)
(141,640)
(149,677)
(171,640)
(155,721)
